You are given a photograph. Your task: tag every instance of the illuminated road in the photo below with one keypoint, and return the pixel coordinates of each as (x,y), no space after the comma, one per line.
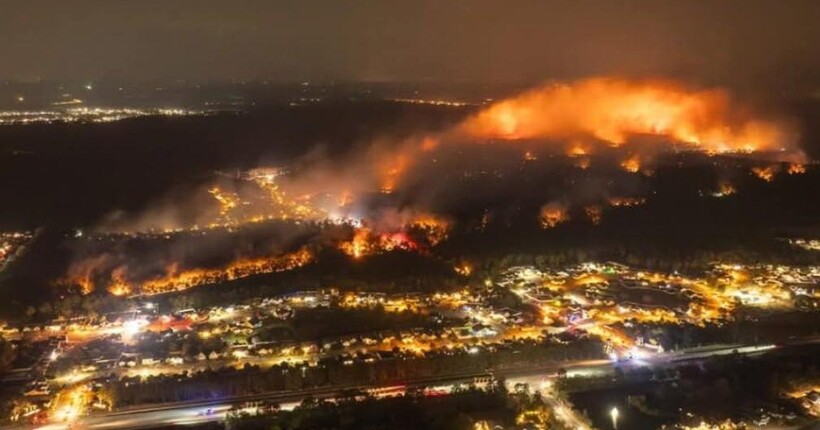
(209,411)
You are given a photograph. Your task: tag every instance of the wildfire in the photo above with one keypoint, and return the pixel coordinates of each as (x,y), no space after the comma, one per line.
(463,269)
(632,164)
(81,274)
(420,231)
(612,110)
(626,201)
(553,214)
(434,227)
(765,173)
(577,150)
(725,189)
(176,280)
(360,245)
(119,286)
(282,205)
(227,201)
(391,172)
(796,169)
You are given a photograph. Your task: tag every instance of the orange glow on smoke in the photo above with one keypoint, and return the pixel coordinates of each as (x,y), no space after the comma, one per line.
(582,163)
(429,143)
(612,110)
(725,189)
(391,172)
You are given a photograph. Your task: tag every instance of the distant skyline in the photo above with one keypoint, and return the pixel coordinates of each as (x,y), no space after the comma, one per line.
(737,43)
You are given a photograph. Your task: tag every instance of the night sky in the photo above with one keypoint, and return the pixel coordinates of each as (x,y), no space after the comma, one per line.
(740,43)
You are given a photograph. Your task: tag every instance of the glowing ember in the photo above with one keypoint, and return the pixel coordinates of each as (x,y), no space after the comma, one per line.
(582,163)
(463,269)
(765,173)
(594,214)
(626,201)
(796,169)
(227,202)
(553,214)
(632,164)
(724,189)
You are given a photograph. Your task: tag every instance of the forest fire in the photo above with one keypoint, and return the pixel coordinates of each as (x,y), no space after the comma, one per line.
(119,286)
(176,280)
(724,189)
(618,202)
(796,169)
(360,245)
(227,202)
(284,206)
(765,173)
(89,273)
(366,242)
(81,274)
(632,164)
(612,110)
(434,228)
(420,232)
(553,214)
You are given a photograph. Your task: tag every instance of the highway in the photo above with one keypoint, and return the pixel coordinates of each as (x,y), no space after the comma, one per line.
(216,410)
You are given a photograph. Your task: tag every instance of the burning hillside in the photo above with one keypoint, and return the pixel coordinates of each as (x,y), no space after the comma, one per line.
(614,110)
(407,193)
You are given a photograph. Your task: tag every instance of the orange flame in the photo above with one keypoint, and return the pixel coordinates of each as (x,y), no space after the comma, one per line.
(553,214)
(626,201)
(632,164)
(429,229)
(242,268)
(119,286)
(360,245)
(612,110)
(765,173)
(796,169)
(725,189)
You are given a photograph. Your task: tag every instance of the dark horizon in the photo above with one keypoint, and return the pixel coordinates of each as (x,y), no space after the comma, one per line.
(746,44)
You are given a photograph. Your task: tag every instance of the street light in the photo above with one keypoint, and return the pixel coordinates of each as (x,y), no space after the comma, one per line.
(614,414)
